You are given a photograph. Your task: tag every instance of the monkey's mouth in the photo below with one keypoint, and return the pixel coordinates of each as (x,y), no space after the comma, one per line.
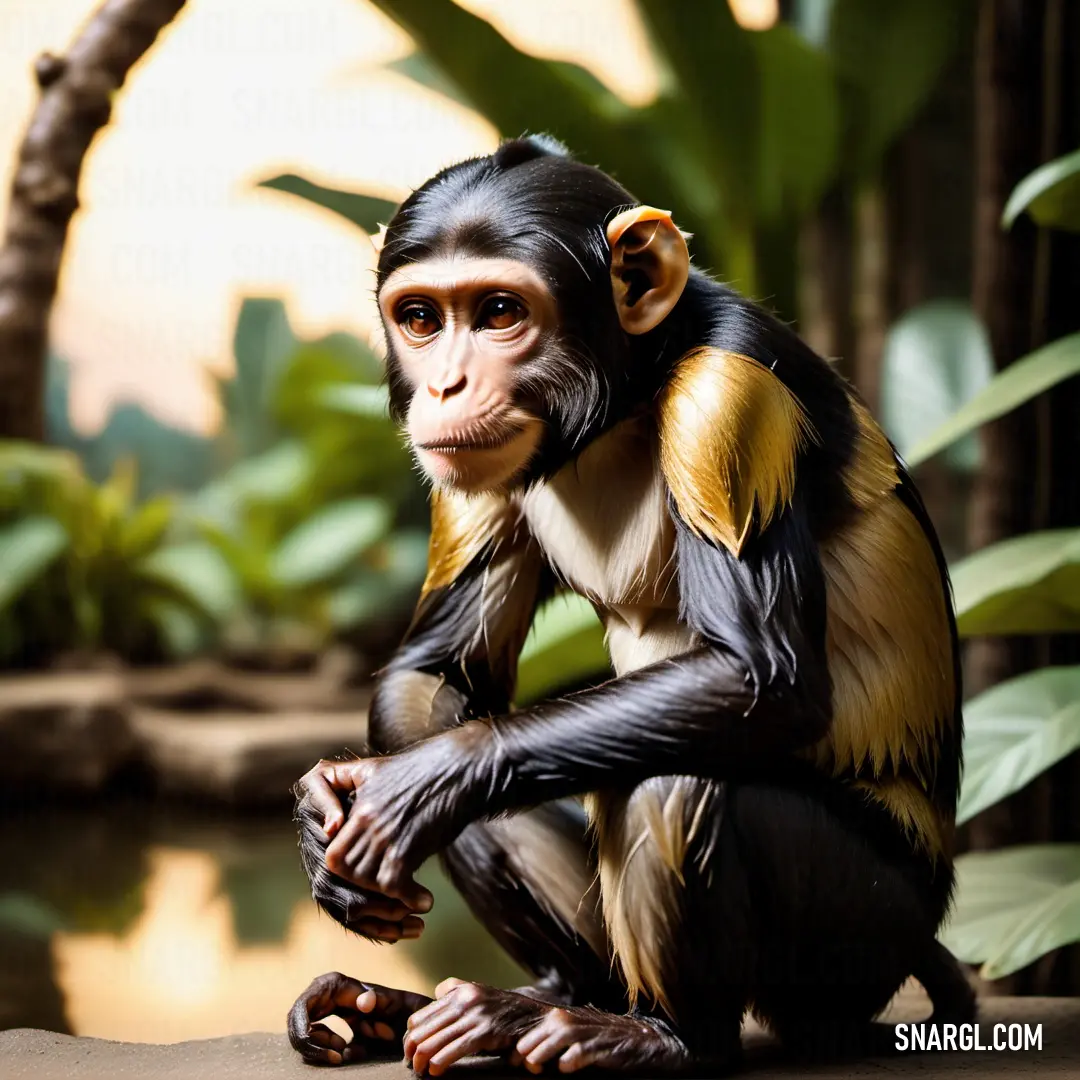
(464,441)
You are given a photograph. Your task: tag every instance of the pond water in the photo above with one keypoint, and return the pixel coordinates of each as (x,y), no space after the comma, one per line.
(149,923)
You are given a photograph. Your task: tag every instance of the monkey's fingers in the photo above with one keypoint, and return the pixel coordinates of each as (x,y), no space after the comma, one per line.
(358,856)
(322,785)
(407,929)
(332,993)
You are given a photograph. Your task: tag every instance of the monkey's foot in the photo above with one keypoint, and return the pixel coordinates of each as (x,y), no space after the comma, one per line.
(580,1037)
(467,1018)
(376,1014)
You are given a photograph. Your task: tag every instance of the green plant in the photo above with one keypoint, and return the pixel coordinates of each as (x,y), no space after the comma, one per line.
(748,130)
(1017,904)
(86,567)
(318,513)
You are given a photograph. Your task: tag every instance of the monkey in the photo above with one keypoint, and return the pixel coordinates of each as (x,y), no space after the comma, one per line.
(756,813)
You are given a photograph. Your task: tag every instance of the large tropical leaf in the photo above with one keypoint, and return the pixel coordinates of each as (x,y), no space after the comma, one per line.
(1019,382)
(565,645)
(1026,585)
(1015,731)
(889,58)
(1014,906)
(712,64)
(1051,195)
(366,211)
(371,402)
(324,544)
(937,357)
(799,137)
(469,52)
(418,69)
(658,152)
(28,547)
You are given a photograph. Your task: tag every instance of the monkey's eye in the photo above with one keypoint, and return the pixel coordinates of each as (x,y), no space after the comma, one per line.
(500,313)
(419,320)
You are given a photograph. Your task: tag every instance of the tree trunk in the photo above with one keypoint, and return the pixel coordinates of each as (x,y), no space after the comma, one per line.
(76,97)
(1024,288)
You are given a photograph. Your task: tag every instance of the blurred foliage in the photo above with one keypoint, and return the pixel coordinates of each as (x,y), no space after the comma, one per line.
(313,556)
(278,551)
(565,647)
(936,359)
(1021,381)
(1017,904)
(748,131)
(86,567)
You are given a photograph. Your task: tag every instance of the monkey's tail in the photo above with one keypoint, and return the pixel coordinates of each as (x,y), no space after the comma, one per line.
(944,981)
(949,991)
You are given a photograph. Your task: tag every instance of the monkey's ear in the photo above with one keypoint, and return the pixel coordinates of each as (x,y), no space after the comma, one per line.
(649,266)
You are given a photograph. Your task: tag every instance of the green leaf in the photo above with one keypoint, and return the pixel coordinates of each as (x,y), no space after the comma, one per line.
(1016,731)
(366,211)
(196,573)
(665,152)
(28,547)
(565,645)
(324,544)
(1019,382)
(888,59)
(1051,195)
(367,401)
(800,123)
(263,344)
(421,71)
(182,632)
(22,913)
(1014,906)
(936,358)
(19,460)
(1026,585)
(392,579)
(146,526)
(712,61)
(278,475)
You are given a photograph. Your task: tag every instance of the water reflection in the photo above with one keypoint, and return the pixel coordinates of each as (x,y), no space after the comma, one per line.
(136,922)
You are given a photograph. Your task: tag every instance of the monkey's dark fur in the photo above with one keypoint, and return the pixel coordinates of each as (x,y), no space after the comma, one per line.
(816,860)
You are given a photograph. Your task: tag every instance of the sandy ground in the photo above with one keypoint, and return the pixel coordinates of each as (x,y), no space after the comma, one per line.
(42,1055)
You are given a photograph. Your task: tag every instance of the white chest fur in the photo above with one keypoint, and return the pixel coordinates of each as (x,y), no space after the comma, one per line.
(603,523)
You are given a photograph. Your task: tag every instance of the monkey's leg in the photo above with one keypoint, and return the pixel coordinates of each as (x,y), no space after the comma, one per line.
(664,904)
(531,881)
(809,907)
(844,910)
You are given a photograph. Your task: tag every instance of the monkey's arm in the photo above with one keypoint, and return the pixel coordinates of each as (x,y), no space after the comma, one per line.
(459,657)
(756,690)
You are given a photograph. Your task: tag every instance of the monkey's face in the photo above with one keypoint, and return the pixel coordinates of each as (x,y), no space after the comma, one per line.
(461,330)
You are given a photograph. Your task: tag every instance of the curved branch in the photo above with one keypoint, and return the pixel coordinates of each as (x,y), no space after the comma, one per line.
(75,103)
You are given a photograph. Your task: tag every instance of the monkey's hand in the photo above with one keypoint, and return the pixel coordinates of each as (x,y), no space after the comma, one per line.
(406,806)
(376,1014)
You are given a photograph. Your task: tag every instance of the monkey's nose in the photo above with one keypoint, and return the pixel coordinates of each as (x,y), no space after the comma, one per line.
(447,390)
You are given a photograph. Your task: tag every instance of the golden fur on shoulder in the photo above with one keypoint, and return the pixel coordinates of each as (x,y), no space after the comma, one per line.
(730,432)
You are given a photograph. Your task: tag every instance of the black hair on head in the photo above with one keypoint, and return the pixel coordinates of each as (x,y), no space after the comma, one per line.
(515,151)
(529,200)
